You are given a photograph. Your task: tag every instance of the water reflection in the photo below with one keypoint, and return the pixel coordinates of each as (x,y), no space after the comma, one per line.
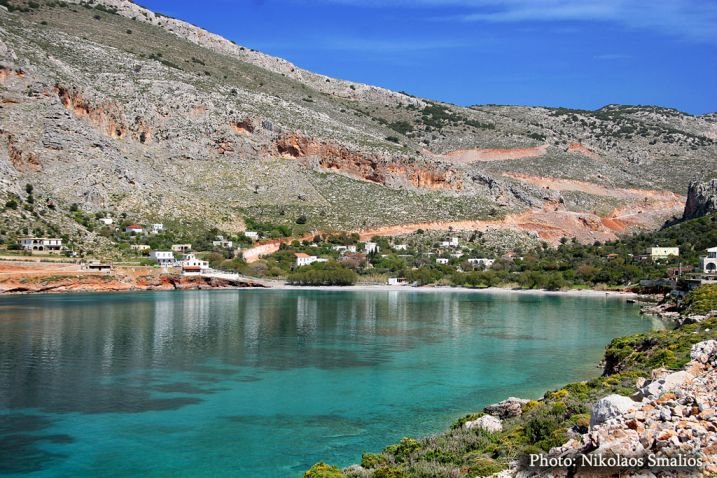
(338,364)
(61,347)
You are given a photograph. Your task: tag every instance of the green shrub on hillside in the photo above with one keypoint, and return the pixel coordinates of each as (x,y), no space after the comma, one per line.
(702,300)
(322,470)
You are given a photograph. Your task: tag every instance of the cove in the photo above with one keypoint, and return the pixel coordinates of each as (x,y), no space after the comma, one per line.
(264,383)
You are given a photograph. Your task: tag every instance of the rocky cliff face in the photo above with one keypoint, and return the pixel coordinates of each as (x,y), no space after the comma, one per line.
(701,199)
(155,118)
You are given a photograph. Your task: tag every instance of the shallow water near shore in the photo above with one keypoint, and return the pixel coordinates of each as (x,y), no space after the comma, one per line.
(263,383)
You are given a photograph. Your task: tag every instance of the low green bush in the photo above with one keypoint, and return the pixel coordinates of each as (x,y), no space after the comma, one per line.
(323,470)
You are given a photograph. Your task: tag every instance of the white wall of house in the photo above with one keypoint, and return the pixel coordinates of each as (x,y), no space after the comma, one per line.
(708,264)
(163,258)
(370,247)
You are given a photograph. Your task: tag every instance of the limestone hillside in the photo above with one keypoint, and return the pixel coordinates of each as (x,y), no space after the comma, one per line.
(112,107)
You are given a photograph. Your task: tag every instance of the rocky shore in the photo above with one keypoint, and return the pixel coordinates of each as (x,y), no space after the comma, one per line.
(117,283)
(672,419)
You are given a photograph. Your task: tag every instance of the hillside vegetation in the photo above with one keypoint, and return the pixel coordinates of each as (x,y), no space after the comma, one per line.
(140,114)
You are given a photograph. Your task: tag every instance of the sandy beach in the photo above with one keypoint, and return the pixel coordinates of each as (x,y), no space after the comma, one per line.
(488,290)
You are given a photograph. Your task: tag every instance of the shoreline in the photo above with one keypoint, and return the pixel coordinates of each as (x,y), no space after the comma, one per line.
(594,293)
(487,290)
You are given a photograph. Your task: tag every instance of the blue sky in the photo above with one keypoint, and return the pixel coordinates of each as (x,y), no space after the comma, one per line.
(572,53)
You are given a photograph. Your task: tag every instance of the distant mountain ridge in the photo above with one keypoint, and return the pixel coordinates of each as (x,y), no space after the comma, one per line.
(148,116)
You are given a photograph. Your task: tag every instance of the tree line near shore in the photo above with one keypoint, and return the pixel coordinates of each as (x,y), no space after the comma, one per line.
(613,264)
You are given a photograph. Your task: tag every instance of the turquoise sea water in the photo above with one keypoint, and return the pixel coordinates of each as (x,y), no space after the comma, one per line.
(265,383)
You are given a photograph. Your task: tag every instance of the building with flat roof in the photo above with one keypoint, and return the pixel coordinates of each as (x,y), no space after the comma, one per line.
(41,245)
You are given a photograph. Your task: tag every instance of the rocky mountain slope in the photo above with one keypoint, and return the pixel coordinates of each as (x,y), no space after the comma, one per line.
(112,107)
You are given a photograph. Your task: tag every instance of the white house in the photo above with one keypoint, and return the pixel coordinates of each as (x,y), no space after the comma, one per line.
(193,266)
(453,242)
(340,249)
(441,260)
(107,221)
(351,248)
(251,235)
(304,259)
(657,253)
(41,244)
(184,248)
(400,247)
(370,247)
(397,281)
(157,228)
(134,229)
(457,254)
(483,262)
(221,242)
(139,247)
(163,258)
(709,264)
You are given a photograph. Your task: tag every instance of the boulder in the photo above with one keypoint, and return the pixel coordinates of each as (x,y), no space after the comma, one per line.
(488,423)
(610,407)
(667,383)
(617,442)
(508,408)
(705,352)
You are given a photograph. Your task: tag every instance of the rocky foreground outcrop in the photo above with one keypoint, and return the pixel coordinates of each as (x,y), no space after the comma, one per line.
(672,417)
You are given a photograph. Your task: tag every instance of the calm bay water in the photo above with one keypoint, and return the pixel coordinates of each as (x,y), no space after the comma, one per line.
(265,383)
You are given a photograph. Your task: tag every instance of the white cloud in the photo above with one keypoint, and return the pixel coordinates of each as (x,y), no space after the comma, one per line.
(694,20)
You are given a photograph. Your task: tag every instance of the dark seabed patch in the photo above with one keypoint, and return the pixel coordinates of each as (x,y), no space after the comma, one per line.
(183,387)
(21,444)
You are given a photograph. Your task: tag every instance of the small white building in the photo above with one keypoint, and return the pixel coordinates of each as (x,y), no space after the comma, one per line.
(251,235)
(351,248)
(107,221)
(304,259)
(397,281)
(400,247)
(442,261)
(134,229)
(370,247)
(157,228)
(139,247)
(657,253)
(192,266)
(163,258)
(223,243)
(183,248)
(340,249)
(41,244)
(453,242)
(457,254)
(708,264)
(481,262)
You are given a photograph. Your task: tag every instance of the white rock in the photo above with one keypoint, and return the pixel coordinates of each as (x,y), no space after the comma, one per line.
(508,408)
(610,407)
(705,352)
(486,422)
(667,383)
